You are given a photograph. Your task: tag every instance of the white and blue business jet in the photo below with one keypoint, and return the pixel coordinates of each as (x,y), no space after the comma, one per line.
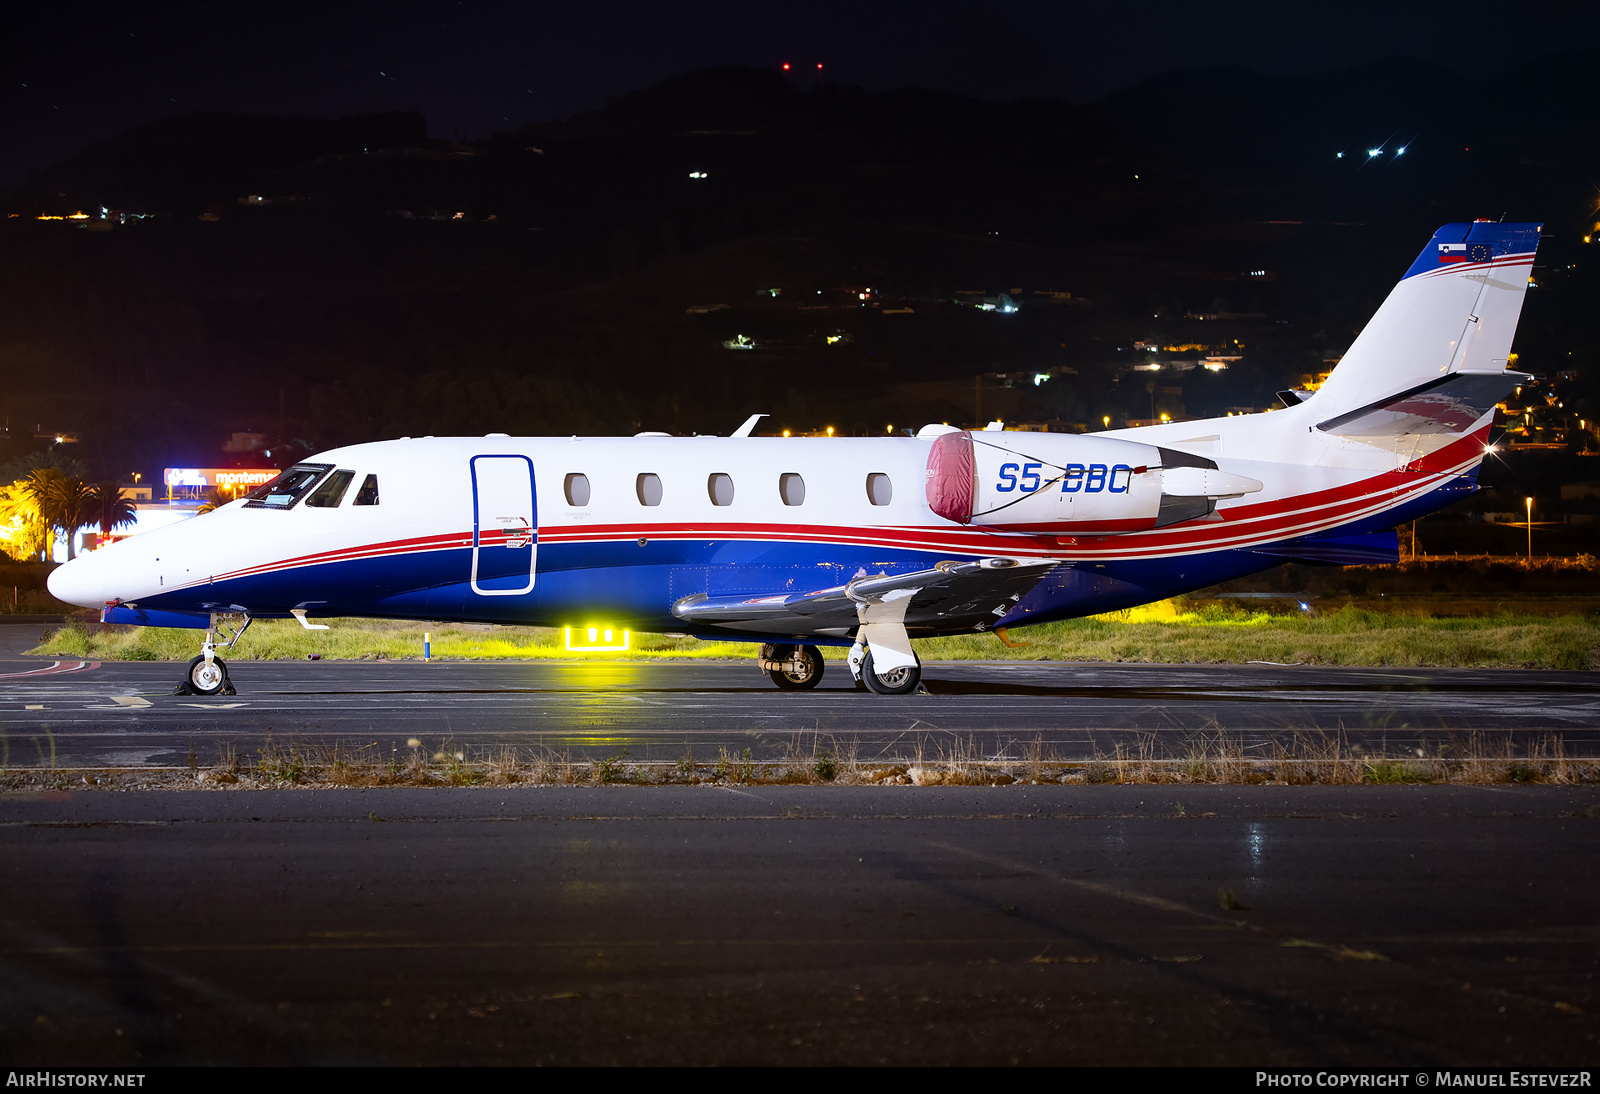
(865,543)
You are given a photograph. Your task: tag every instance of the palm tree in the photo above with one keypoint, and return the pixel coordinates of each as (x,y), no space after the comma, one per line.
(110,509)
(40,488)
(75,508)
(64,502)
(214,500)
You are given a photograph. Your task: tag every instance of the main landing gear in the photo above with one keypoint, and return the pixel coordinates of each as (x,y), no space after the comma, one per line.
(792,668)
(208,673)
(900,679)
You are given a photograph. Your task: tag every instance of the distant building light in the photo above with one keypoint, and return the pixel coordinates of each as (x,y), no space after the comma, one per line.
(697,174)
(1374,152)
(1338,155)
(1400,151)
(1040,377)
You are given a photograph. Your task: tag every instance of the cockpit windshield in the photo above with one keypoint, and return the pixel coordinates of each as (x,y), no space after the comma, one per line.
(288,488)
(331,492)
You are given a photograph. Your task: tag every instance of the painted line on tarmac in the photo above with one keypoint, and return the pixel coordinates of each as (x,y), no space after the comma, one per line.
(55,668)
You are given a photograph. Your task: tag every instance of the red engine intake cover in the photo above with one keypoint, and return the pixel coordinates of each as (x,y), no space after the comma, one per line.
(952,477)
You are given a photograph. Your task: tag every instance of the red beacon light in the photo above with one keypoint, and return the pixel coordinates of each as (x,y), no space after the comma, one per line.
(786,66)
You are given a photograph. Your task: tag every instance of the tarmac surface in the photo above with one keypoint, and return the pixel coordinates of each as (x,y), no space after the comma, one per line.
(75,714)
(1400,926)
(1427,926)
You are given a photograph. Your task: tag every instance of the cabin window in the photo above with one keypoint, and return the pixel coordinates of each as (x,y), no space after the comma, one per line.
(288,488)
(648,487)
(880,491)
(331,492)
(720,487)
(368,494)
(577,489)
(792,489)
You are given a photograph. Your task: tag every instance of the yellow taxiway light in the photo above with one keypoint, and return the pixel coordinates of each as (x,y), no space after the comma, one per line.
(601,639)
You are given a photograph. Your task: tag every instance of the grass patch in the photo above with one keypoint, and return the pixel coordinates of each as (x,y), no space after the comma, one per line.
(1168,631)
(363,640)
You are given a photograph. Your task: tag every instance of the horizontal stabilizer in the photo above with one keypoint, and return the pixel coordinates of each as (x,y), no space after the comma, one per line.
(1449,404)
(1372,549)
(951,596)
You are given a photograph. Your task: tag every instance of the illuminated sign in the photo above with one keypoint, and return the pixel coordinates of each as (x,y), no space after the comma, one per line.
(600,639)
(228,477)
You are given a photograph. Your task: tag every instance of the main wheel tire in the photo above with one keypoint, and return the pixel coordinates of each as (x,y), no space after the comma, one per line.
(207,679)
(901,681)
(807,676)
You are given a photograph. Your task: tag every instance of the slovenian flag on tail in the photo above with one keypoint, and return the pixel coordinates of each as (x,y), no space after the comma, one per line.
(1465,252)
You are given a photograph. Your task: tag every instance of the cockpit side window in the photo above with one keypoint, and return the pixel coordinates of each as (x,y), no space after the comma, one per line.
(331,492)
(288,488)
(368,494)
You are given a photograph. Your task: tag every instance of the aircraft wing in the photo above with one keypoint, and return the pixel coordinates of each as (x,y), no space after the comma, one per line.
(952,595)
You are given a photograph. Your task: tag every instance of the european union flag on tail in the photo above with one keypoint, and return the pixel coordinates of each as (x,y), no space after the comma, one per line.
(1465,252)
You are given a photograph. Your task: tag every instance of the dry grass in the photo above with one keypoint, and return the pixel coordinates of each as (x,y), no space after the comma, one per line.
(1211,757)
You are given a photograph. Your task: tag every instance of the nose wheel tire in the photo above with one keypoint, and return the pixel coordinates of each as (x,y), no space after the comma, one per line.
(795,668)
(206,679)
(900,681)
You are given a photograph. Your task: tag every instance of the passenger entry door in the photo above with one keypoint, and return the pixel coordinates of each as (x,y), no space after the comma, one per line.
(505,525)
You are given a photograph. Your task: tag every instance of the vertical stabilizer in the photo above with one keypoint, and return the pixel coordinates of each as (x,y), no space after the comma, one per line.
(1454,311)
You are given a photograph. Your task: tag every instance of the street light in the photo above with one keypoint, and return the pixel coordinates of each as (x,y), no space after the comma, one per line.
(1529,503)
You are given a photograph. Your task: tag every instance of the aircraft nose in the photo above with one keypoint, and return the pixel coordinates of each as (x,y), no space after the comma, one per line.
(83,581)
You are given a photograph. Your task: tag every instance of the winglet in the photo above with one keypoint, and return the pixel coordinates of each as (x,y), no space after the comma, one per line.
(749,426)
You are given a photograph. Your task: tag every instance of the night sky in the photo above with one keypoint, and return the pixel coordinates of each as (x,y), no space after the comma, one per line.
(80,73)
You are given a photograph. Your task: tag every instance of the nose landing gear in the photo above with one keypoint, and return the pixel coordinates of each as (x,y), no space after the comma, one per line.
(208,673)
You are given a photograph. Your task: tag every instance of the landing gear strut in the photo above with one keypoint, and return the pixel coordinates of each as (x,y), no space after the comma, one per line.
(208,673)
(792,668)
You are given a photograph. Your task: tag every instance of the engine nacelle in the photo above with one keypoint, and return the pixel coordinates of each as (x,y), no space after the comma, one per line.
(1057,482)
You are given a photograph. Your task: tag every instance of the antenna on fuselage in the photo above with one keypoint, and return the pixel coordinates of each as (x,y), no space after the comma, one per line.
(749,426)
